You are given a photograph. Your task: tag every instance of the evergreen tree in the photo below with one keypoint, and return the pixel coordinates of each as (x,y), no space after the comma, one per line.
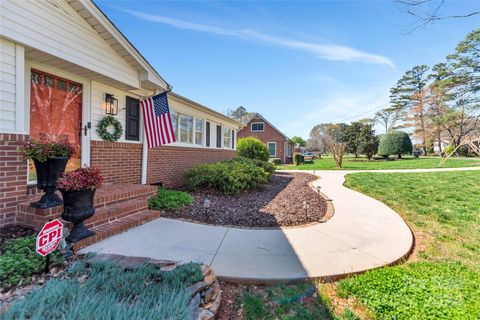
(409,95)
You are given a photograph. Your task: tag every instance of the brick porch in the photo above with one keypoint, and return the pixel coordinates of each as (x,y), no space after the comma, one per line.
(118,207)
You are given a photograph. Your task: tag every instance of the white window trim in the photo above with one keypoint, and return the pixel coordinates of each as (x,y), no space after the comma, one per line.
(251,126)
(180,115)
(202,143)
(268,146)
(229,146)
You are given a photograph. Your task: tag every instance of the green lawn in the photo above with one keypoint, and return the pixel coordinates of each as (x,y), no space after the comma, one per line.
(351,163)
(443,282)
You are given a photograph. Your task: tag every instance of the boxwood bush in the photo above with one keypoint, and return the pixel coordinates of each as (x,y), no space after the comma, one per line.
(395,143)
(169,199)
(252,148)
(231,176)
(275,161)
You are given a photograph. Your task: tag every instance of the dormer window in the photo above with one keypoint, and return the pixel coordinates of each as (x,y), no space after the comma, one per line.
(258,126)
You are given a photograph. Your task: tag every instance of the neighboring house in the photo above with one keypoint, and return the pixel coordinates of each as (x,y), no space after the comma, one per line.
(279,145)
(63,65)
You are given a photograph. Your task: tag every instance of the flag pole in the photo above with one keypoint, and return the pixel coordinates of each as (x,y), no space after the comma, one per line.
(143,178)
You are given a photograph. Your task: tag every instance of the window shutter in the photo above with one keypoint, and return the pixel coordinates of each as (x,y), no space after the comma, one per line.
(132,126)
(233,139)
(207,129)
(219,136)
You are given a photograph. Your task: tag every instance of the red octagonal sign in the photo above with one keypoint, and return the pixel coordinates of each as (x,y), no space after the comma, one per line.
(49,237)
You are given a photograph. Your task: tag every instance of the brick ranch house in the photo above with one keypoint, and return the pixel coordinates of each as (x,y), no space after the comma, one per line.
(279,145)
(61,63)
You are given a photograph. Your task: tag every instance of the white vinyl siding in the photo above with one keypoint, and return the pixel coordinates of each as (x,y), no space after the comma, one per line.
(55,28)
(98,108)
(7,86)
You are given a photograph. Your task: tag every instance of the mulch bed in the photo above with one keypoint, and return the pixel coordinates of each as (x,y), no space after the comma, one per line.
(279,203)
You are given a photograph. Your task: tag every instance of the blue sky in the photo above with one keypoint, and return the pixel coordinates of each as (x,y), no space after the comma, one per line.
(297,63)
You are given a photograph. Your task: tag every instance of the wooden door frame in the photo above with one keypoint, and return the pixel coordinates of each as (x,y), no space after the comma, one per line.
(86,102)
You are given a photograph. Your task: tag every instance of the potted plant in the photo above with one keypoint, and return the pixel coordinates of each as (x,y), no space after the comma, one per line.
(50,160)
(78,189)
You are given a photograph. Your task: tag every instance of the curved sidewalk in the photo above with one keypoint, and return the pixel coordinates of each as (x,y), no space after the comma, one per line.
(363,234)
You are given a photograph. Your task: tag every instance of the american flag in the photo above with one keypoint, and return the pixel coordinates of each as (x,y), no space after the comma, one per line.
(158,124)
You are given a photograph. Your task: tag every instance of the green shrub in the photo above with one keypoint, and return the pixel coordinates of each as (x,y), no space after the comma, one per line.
(230,177)
(252,148)
(395,143)
(298,159)
(19,261)
(169,199)
(275,161)
(267,166)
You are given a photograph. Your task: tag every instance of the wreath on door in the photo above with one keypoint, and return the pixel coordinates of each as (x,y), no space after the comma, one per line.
(104,124)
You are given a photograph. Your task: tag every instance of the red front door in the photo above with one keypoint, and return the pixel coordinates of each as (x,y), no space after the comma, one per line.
(55,113)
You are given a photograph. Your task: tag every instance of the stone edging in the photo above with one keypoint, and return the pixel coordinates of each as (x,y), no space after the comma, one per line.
(205,295)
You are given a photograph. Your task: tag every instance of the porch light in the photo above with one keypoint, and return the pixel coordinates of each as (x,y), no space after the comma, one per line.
(318,189)
(111,104)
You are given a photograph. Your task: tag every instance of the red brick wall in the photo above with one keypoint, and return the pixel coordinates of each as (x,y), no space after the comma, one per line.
(120,162)
(13,176)
(169,164)
(268,135)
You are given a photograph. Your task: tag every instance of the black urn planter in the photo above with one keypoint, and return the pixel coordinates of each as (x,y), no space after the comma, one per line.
(47,174)
(78,206)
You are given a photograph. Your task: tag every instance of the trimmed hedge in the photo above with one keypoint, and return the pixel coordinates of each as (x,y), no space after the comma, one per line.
(395,143)
(169,199)
(252,148)
(230,177)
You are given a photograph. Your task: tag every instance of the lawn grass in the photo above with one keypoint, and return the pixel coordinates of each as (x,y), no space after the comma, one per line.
(108,291)
(351,163)
(443,281)
(299,301)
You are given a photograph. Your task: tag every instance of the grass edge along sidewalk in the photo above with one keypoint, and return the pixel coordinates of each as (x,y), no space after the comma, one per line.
(352,163)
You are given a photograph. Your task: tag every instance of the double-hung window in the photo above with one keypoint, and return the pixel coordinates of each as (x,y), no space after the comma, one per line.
(226,137)
(186,128)
(257,126)
(198,131)
(174,117)
(272,149)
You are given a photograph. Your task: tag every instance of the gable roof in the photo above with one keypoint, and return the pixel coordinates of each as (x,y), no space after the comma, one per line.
(93,15)
(259,116)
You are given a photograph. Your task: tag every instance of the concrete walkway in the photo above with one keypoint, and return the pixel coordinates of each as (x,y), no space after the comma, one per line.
(363,234)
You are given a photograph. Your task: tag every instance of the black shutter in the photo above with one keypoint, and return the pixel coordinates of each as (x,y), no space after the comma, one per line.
(207,129)
(132,125)
(233,139)
(219,136)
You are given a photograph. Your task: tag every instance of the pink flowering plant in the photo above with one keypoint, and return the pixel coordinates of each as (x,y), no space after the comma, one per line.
(80,179)
(42,151)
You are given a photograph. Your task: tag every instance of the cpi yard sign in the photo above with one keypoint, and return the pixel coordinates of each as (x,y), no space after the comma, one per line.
(49,237)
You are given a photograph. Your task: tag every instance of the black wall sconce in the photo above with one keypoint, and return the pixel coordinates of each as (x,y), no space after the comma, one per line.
(111,104)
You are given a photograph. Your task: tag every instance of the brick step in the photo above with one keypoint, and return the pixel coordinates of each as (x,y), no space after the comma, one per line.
(115,227)
(107,196)
(116,211)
